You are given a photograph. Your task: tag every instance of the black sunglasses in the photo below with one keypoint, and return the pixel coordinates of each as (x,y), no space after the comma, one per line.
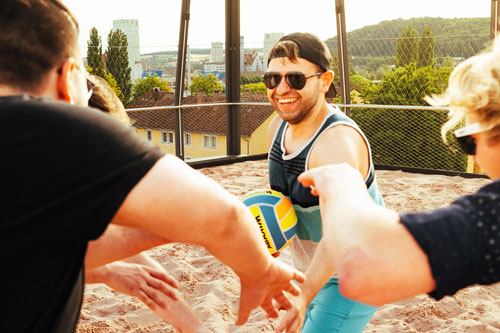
(295,80)
(465,139)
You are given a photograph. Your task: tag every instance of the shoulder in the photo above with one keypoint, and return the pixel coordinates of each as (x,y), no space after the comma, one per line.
(272,129)
(340,143)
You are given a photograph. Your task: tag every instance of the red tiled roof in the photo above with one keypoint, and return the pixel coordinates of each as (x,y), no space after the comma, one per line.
(206,119)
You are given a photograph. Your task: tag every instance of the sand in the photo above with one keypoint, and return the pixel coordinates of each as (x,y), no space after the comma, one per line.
(212,289)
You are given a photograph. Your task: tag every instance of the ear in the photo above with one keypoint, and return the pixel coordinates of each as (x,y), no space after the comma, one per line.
(326,80)
(64,81)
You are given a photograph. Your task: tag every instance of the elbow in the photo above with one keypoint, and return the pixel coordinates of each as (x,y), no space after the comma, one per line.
(356,274)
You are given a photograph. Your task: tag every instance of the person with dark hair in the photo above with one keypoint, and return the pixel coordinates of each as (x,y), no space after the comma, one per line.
(396,256)
(132,274)
(69,171)
(309,133)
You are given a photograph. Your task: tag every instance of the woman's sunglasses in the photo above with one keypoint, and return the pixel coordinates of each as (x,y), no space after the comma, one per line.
(295,80)
(465,139)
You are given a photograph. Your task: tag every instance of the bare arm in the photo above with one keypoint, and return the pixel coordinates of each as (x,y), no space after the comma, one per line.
(340,144)
(119,242)
(336,145)
(179,203)
(376,258)
(145,278)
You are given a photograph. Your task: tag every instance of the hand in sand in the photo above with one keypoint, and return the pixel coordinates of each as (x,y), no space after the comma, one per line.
(270,287)
(151,285)
(146,279)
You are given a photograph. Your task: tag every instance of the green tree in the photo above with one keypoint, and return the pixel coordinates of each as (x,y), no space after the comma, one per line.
(244,80)
(112,83)
(206,83)
(254,88)
(426,48)
(407,47)
(94,53)
(447,62)
(408,137)
(117,62)
(142,86)
(361,84)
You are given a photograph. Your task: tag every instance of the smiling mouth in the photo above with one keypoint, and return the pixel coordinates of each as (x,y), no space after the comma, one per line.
(286,100)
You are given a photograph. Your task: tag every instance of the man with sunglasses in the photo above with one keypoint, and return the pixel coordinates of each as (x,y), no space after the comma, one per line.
(69,171)
(309,133)
(393,256)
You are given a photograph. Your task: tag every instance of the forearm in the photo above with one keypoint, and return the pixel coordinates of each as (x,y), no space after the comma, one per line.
(119,242)
(101,274)
(377,259)
(181,204)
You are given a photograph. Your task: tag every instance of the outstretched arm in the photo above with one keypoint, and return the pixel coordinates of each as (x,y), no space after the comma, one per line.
(377,259)
(180,204)
(338,144)
(119,242)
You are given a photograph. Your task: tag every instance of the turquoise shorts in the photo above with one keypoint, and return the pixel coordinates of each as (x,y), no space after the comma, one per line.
(331,312)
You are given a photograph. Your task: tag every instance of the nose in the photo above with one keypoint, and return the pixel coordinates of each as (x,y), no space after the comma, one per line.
(282,87)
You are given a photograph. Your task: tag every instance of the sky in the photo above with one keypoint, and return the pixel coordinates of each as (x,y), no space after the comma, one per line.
(159,19)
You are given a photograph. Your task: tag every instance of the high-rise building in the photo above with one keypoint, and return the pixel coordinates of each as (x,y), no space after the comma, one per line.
(270,38)
(131,29)
(242,53)
(217,52)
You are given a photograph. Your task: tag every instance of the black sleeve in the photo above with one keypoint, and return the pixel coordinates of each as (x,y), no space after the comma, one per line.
(69,168)
(462,241)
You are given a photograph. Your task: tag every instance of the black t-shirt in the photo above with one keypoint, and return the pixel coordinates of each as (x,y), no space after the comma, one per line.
(462,241)
(65,171)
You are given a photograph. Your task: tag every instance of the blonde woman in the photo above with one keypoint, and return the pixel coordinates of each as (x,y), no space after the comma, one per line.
(382,256)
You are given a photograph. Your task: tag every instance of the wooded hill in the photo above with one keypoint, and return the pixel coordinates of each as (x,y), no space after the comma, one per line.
(457,37)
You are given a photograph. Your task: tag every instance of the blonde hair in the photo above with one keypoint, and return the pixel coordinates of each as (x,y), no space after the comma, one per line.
(104,98)
(474,88)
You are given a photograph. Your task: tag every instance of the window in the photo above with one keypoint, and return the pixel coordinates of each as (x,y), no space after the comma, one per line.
(187,139)
(149,135)
(167,138)
(210,141)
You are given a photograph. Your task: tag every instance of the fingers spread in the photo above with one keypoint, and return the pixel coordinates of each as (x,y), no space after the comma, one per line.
(299,276)
(270,309)
(147,300)
(162,276)
(162,287)
(293,289)
(283,301)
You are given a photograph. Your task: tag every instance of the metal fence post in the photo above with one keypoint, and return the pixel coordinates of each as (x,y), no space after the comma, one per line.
(233,76)
(342,54)
(495,19)
(179,77)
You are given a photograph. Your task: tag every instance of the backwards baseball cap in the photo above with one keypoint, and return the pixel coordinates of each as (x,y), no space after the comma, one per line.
(312,49)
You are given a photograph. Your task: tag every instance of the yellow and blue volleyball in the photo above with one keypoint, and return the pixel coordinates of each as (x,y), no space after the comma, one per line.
(275,216)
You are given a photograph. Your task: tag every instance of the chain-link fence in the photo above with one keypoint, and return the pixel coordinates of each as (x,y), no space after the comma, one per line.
(399,62)
(395,62)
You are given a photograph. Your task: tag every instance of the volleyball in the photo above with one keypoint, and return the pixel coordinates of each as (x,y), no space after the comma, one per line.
(275,216)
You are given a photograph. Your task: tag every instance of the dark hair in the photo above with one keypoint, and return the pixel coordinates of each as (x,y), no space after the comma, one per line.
(35,37)
(285,49)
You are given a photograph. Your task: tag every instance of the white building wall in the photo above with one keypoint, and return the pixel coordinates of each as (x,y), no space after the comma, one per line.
(215,67)
(270,38)
(131,30)
(217,52)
